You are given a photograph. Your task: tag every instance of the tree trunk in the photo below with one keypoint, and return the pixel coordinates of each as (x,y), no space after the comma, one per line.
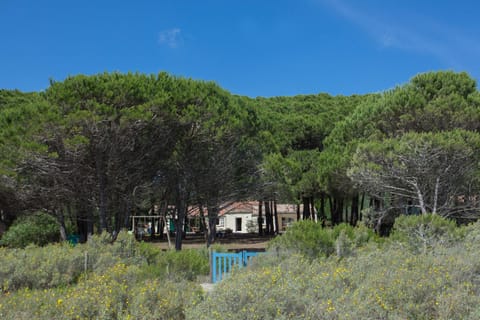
(435,196)
(298,212)
(331,207)
(260,219)
(378,204)
(275,212)
(128,213)
(186,226)
(322,209)
(179,230)
(179,221)
(337,212)
(102,192)
(203,225)
(421,200)
(362,203)
(152,220)
(268,218)
(61,223)
(312,208)
(354,210)
(346,220)
(212,223)
(161,226)
(165,223)
(306,208)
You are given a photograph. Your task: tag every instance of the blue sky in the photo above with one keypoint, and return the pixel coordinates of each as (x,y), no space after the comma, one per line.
(249,47)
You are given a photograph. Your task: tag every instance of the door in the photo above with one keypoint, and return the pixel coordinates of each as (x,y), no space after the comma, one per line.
(238,224)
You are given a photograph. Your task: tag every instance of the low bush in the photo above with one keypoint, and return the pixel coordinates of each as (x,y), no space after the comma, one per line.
(51,283)
(186,264)
(40,267)
(361,281)
(311,240)
(39,229)
(385,282)
(116,294)
(307,238)
(421,232)
(61,264)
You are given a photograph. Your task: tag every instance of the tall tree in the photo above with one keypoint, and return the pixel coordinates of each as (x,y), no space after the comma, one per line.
(431,102)
(435,172)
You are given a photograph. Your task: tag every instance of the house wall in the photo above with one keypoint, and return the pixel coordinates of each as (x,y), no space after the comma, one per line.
(230,220)
(286,219)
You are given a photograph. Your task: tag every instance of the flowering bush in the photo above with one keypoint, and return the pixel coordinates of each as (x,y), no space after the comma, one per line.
(367,281)
(116,294)
(61,264)
(378,282)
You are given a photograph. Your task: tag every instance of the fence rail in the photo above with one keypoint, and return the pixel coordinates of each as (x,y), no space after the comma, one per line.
(223,263)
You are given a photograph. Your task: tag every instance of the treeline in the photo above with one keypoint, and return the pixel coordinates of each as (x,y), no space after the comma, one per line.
(94,150)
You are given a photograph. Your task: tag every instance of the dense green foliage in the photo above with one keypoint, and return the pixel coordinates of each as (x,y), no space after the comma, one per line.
(38,229)
(305,237)
(187,264)
(91,151)
(421,232)
(432,170)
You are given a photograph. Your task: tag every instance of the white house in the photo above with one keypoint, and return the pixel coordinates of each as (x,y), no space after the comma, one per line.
(242,217)
(236,216)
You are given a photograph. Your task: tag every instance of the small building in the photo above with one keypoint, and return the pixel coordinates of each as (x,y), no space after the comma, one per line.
(287,214)
(242,217)
(237,216)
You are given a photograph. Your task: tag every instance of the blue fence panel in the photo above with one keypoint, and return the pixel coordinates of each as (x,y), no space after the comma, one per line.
(247,255)
(224,263)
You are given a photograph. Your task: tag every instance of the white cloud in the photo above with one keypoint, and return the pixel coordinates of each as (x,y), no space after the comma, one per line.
(171,38)
(408,32)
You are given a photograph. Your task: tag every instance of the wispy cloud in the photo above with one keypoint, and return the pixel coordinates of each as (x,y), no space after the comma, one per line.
(411,33)
(171,38)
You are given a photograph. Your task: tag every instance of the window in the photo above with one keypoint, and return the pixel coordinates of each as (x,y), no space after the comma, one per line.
(286,222)
(221,222)
(238,224)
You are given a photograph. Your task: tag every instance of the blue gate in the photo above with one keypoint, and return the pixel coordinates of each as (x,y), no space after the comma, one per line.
(223,263)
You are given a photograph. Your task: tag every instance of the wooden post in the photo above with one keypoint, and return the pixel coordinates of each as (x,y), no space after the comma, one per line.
(86,264)
(210,261)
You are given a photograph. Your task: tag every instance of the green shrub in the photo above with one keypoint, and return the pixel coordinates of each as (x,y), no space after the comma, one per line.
(310,239)
(305,237)
(421,232)
(377,283)
(116,294)
(149,251)
(39,229)
(186,264)
(40,267)
(103,253)
(61,264)
(163,299)
(216,247)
